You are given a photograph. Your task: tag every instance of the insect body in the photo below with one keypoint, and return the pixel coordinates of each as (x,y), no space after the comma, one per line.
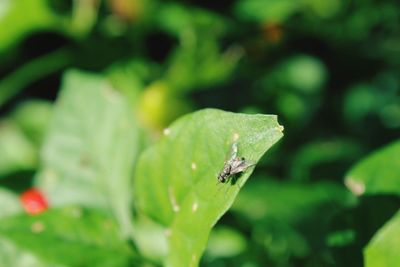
(233,166)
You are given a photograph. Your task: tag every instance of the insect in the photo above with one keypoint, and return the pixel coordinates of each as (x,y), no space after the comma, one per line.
(233,166)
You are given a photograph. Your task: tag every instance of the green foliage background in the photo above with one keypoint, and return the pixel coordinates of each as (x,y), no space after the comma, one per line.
(113,109)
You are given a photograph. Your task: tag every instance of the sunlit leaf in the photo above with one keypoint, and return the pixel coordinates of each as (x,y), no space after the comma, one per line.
(176,180)
(20,17)
(225,242)
(378,173)
(383,249)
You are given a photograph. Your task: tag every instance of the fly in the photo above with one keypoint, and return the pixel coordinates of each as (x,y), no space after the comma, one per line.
(233,166)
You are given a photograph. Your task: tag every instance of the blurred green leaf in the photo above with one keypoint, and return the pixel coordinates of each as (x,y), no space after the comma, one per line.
(282,215)
(266,11)
(90,148)
(33,117)
(225,242)
(287,202)
(17,153)
(176,180)
(198,63)
(20,17)
(9,203)
(178,20)
(302,73)
(131,77)
(318,153)
(305,73)
(361,101)
(70,236)
(383,249)
(379,173)
(12,255)
(159,105)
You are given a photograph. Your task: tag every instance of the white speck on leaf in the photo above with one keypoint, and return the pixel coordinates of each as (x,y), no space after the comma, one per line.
(357,187)
(76,212)
(168,232)
(166,131)
(194,166)
(193,260)
(37,227)
(172,199)
(235,137)
(195,206)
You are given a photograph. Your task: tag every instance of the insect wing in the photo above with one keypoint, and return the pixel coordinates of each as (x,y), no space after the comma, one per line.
(240,165)
(234,151)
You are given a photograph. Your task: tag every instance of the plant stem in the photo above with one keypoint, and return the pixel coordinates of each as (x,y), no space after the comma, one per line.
(32,71)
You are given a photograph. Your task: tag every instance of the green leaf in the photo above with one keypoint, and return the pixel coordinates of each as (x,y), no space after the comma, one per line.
(177,19)
(201,64)
(379,173)
(20,17)
(176,180)
(90,149)
(12,255)
(225,242)
(17,153)
(266,11)
(70,236)
(9,204)
(33,118)
(321,153)
(383,249)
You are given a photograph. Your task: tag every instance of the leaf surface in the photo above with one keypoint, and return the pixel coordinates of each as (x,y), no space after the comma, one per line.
(69,236)
(90,149)
(378,173)
(383,249)
(176,180)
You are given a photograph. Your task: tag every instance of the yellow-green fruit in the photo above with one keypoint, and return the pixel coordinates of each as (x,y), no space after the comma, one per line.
(159,106)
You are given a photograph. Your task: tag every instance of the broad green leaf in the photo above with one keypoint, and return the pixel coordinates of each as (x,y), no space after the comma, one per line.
(20,17)
(12,255)
(70,236)
(90,149)
(17,153)
(176,180)
(225,242)
(33,118)
(9,204)
(378,173)
(383,249)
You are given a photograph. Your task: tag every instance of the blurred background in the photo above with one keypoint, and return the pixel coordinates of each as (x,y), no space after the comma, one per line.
(329,69)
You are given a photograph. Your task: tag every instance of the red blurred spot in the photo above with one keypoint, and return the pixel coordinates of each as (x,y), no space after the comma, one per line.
(33,201)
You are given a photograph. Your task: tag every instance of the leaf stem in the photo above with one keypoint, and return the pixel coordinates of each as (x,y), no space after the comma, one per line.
(32,71)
